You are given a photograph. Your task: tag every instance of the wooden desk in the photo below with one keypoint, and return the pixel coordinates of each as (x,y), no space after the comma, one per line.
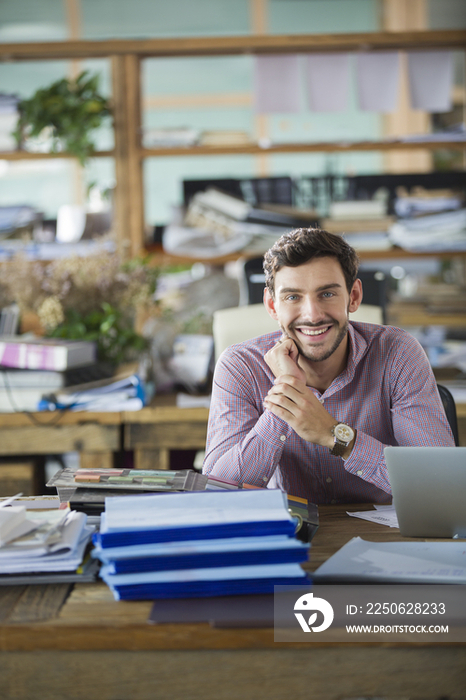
(96,648)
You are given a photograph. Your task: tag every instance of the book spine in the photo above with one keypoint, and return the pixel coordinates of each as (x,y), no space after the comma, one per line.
(25,356)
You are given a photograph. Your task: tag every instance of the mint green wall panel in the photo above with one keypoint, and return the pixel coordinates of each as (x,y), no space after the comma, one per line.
(24,78)
(157,18)
(323,16)
(32,20)
(203,75)
(41,184)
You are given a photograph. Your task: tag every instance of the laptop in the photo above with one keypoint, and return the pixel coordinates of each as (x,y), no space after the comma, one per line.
(429,490)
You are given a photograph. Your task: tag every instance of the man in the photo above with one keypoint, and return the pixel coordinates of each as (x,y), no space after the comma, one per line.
(310,408)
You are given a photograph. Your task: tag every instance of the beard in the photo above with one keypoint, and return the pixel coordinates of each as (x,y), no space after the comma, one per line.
(315,355)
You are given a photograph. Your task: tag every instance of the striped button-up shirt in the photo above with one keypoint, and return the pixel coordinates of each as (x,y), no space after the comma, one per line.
(387,393)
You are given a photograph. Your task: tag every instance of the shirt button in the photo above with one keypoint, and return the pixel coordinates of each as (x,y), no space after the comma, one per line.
(359,472)
(283,438)
(328,480)
(264,478)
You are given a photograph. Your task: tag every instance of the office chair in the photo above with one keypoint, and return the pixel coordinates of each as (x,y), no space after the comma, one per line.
(450,411)
(240,323)
(374,287)
(253,281)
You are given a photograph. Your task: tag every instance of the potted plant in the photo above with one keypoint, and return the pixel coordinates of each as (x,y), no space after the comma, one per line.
(69,110)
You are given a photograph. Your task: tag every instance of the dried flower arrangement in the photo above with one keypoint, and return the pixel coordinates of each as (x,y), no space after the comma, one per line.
(90,298)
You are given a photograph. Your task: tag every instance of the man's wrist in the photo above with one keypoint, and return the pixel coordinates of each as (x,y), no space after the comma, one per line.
(343,438)
(347,453)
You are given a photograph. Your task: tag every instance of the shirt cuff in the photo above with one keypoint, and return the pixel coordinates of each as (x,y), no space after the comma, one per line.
(368,462)
(273,429)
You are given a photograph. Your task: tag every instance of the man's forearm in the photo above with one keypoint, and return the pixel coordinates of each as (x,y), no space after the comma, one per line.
(250,457)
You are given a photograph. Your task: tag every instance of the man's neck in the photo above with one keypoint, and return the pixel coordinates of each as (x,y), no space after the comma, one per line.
(320,375)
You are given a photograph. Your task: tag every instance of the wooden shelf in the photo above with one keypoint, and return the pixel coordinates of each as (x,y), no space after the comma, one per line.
(417,315)
(159,257)
(27,155)
(234,45)
(335,147)
(255,149)
(126,56)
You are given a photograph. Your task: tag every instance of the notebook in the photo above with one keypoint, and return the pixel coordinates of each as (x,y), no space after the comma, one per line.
(429,490)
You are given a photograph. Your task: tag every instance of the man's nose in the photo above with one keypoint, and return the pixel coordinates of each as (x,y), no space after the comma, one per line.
(311,310)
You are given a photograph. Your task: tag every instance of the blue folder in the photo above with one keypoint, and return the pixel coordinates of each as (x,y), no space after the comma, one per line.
(199,561)
(204,589)
(201,532)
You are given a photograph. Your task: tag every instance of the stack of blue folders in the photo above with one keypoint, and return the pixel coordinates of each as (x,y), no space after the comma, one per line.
(184,545)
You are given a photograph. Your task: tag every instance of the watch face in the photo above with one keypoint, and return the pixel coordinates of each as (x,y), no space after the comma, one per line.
(344,433)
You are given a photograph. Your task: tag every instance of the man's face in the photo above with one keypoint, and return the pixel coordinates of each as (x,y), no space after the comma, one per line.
(312,304)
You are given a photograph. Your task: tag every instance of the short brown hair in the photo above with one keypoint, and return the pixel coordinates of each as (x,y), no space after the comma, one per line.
(303,244)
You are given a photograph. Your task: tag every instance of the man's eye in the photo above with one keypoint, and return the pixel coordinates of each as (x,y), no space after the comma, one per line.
(291,297)
(328,295)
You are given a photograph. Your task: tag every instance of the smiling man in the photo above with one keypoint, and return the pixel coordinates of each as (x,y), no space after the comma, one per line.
(311,407)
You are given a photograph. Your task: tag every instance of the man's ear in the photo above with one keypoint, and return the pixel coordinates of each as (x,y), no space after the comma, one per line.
(269,304)
(355,297)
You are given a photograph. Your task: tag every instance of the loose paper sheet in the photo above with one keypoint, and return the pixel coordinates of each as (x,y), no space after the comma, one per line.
(384,515)
(377,80)
(327,80)
(401,562)
(430,76)
(276,84)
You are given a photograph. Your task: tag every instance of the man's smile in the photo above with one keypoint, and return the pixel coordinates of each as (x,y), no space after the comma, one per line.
(312,332)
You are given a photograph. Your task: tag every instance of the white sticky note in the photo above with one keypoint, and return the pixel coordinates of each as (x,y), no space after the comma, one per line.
(276,84)
(327,81)
(377,80)
(430,75)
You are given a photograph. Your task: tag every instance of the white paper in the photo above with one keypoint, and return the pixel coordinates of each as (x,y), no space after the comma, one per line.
(59,534)
(384,515)
(276,84)
(377,80)
(327,80)
(35,502)
(126,513)
(430,75)
(64,561)
(400,562)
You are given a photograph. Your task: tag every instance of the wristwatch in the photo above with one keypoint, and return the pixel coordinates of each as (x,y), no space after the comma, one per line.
(342,435)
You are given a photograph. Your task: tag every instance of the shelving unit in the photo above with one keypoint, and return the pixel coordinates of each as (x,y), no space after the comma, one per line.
(126,57)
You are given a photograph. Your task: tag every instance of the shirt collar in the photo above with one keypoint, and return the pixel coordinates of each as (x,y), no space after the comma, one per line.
(357,348)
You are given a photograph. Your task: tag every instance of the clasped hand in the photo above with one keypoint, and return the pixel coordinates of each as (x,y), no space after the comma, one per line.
(291,400)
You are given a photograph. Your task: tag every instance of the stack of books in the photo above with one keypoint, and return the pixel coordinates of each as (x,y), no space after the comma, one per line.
(43,546)
(32,367)
(203,544)
(364,223)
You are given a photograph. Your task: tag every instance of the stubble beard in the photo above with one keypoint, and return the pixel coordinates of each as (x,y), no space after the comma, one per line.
(315,356)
